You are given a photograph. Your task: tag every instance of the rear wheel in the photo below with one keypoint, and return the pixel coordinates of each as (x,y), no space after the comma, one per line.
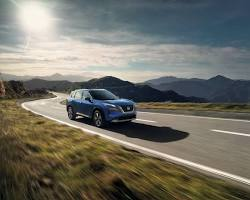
(71,113)
(98,119)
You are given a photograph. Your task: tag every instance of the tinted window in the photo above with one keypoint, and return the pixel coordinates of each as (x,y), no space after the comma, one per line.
(78,95)
(102,95)
(72,94)
(86,94)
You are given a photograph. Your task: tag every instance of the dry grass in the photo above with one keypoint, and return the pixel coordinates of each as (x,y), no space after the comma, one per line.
(218,107)
(221,107)
(41,159)
(63,102)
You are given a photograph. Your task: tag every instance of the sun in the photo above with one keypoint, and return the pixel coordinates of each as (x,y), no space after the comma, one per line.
(35,18)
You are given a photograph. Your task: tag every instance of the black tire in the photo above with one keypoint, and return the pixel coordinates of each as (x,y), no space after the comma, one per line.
(98,119)
(71,113)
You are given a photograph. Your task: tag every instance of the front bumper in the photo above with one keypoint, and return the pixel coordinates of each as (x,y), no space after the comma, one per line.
(121,116)
(125,118)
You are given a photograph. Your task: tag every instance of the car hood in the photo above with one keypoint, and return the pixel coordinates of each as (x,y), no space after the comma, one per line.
(119,102)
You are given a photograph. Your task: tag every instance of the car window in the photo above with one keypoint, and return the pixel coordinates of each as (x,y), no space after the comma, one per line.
(86,94)
(78,95)
(102,95)
(72,94)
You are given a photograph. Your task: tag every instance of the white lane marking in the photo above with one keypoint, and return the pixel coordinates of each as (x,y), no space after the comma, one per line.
(230,132)
(194,116)
(145,120)
(154,152)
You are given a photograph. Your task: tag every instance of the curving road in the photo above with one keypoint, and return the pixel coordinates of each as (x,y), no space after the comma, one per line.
(215,145)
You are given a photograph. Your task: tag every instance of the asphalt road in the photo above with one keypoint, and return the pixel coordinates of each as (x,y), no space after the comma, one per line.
(213,145)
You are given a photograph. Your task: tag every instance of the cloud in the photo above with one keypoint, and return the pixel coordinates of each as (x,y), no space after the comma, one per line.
(170,21)
(133,39)
(78,56)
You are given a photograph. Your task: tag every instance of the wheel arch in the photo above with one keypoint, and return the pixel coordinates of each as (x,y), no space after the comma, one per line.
(97,108)
(67,107)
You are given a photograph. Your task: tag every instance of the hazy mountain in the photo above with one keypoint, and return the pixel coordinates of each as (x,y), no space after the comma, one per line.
(60,77)
(164,79)
(238,92)
(219,82)
(186,87)
(53,77)
(215,89)
(200,88)
(9,77)
(121,88)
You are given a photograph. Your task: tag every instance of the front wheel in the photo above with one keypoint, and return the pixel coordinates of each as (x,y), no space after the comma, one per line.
(98,119)
(71,113)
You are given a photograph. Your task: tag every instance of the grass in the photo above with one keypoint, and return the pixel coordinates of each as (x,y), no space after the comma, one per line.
(41,159)
(63,102)
(221,107)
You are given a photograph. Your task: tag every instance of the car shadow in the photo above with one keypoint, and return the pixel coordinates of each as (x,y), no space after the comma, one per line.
(143,131)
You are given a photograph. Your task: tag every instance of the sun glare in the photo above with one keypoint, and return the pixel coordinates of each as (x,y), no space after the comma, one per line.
(35,18)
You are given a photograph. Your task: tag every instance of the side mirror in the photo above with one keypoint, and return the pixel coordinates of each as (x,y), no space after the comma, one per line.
(88,99)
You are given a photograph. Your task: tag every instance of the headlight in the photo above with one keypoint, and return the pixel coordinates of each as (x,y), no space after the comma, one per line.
(112,108)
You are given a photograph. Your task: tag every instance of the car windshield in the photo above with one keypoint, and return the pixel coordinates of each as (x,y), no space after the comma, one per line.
(102,95)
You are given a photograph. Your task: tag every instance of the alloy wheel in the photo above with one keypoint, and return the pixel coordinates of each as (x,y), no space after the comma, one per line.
(70,113)
(98,118)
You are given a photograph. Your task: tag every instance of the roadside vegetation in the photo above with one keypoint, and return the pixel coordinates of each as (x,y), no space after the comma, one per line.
(16,89)
(63,102)
(41,159)
(218,107)
(221,107)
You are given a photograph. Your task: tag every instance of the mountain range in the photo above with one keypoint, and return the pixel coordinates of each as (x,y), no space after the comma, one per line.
(215,89)
(53,77)
(124,89)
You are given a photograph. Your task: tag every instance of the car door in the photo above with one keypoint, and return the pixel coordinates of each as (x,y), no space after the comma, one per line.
(78,101)
(87,106)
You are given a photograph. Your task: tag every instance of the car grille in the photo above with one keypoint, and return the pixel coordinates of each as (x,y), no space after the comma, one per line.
(127,108)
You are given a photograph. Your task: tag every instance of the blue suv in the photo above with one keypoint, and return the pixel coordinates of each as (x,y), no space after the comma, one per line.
(100,105)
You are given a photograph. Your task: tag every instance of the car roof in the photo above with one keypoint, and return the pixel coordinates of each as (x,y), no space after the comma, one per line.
(87,90)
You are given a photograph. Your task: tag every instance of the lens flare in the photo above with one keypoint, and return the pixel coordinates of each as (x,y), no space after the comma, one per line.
(35,18)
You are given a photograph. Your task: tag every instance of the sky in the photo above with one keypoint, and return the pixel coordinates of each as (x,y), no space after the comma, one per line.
(131,39)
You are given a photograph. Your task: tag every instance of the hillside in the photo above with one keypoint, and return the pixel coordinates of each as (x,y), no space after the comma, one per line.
(238,91)
(121,88)
(16,89)
(50,85)
(106,82)
(216,89)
